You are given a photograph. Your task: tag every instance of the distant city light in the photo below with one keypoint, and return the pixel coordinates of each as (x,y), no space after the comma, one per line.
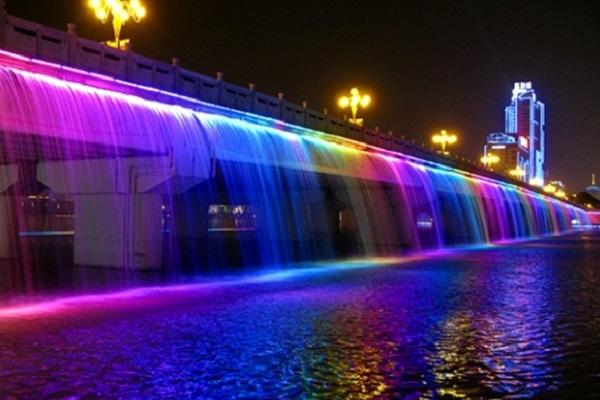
(536,182)
(121,11)
(354,102)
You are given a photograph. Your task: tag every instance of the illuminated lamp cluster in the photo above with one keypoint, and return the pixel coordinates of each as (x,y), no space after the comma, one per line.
(121,11)
(354,101)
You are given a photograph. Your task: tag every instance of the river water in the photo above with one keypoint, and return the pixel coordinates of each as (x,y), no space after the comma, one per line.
(513,321)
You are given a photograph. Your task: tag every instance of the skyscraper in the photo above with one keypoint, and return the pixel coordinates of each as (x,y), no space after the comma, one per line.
(525,120)
(594,189)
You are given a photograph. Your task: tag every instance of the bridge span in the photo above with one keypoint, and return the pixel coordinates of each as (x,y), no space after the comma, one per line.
(128,162)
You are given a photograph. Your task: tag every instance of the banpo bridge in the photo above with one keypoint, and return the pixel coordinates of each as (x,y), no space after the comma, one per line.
(111,159)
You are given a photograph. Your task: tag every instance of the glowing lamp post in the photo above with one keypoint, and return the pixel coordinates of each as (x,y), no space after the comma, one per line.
(550,188)
(444,139)
(555,190)
(121,12)
(517,173)
(489,160)
(354,102)
(561,194)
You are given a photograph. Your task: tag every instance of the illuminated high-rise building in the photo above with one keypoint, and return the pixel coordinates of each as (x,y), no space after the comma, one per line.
(594,189)
(525,120)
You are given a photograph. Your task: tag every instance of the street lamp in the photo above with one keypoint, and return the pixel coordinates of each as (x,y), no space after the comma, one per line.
(444,139)
(489,159)
(556,189)
(550,188)
(517,172)
(561,194)
(121,11)
(354,101)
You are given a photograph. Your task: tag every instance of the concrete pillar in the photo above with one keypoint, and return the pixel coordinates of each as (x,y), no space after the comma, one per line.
(3,23)
(7,228)
(71,43)
(118,220)
(8,176)
(118,230)
(188,225)
(118,206)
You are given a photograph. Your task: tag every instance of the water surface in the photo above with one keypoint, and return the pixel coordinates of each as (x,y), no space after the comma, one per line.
(515,321)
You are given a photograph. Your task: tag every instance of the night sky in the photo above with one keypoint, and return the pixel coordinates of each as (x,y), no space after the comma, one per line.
(429,64)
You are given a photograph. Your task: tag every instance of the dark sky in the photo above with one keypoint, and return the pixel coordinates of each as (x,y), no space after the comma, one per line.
(429,64)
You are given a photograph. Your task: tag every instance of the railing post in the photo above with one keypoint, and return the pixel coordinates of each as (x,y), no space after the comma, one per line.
(129,68)
(38,42)
(220,76)
(3,23)
(71,44)
(305,113)
(252,88)
(176,77)
(280,97)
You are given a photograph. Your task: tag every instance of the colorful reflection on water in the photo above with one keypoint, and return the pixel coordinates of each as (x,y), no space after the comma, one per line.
(516,321)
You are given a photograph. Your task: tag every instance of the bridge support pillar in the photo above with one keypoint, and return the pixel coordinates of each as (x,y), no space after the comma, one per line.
(8,176)
(119,207)
(118,230)
(188,230)
(7,229)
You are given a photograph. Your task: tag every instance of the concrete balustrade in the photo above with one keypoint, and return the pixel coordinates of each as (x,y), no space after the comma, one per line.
(66,48)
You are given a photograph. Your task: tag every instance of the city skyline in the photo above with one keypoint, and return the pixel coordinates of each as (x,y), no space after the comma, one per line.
(425,73)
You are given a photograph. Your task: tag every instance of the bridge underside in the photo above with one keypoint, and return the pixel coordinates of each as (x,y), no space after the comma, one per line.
(122,208)
(28,147)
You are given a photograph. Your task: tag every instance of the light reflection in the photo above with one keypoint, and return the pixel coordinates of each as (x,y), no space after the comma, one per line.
(508,349)
(358,365)
(470,326)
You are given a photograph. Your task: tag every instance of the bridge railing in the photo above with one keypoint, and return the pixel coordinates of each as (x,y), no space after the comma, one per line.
(66,48)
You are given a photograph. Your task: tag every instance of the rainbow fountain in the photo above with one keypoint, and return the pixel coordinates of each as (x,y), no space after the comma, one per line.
(168,235)
(98,172)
